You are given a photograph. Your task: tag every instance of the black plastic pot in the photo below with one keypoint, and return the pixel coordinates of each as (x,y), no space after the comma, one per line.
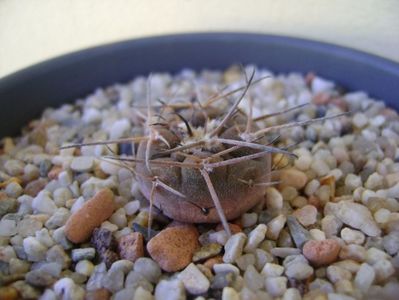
(26,93)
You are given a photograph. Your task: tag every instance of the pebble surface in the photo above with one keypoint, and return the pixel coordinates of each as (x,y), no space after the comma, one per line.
(81,224)
(75,226)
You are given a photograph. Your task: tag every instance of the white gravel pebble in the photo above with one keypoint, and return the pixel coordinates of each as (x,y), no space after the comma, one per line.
(42,203)
(194,281)
(364,277)
(276,286)
(274,200)
(255,237)
(132,207)
(35,250)
(66,289)
(272,270)
(275,226)
(170,289)
(82,164)
(84,267)
(230,294)
(351,236)
(234,246)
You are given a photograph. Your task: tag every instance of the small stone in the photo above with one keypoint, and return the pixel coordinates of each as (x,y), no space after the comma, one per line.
(95,280)
(119,218)
(98,294)
(223,279)
(331,225)
(8,293)
(354,252)
(81,224)
(383,270)
(43,236)
(42,203)
(174,247)
(57,254)
(230,294)
(360,120)
(391,243)
(294,178)
(276,286)
(132,207)
(272,270)
(245,260)
(66,289)
(14,167)
(285,251)
(58,219)
(39,278)
(356,216)
(35,250)
(170,289)
(206,252)
(83,253)
(321,252)
(113,280)
(299,234)
(249,219)
(292,294)
(13,189)
(351,236)
(226,268)
(320,167)
(194,281)
(274,200)
(233,248)
(374,182)
(253,279)
(60,238)
(18,266)
(8,228)
(306,215)
(275,226)
(82,164)
(364,277)
(131,246)
(148,268)
(353,181)
(142,294)
(336,274)
(317,234)
(84,267)
(298,271)
(255,237)
(135,279)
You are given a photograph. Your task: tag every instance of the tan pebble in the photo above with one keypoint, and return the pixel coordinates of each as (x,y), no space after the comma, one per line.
(131,246)
(321,252)
(99,294)
(233,227)
(53,173)
(8,293)
(34,187)
(8,181)
(294,178)
(81,224)
(173,247)
(213,261)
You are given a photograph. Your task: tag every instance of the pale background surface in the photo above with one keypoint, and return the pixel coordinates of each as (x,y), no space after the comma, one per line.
(32,31)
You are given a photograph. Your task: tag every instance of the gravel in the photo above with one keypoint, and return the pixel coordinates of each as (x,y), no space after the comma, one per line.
(75,225)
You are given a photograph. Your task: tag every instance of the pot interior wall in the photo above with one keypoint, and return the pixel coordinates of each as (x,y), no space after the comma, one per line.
(25,94)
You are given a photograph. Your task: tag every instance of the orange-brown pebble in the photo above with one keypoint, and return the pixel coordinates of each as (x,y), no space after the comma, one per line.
(293,177)
(53,173)
(233,227)
(213,261)
(131,246)
(99,294)
(81,224)
(173,247)
(8,293)
(321,252)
